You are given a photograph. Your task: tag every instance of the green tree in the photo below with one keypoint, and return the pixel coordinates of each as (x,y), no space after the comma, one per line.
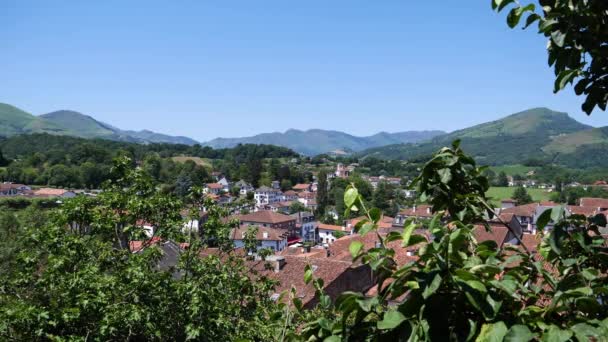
(520,194)
(461,289)
(322,193)
(76,279)
(339,201)
(286,185)
(577,42)
(382,196)
(297,207)
(3,161)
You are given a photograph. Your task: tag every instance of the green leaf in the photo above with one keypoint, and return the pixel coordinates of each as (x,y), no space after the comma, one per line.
(407,233)
(500,4)
(531,19)
(332,338)
(557,213)
(445,175)
(432,287)
(391,320)
(543,219)
(564,78)
(375,214)
(492,332)
(366,228)
(555,334)
(519,333)
(307,274)
(350,196)
(355,247)
(558,38)
(584,331)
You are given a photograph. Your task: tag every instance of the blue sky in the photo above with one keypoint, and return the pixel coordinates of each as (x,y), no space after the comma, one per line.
(233,68)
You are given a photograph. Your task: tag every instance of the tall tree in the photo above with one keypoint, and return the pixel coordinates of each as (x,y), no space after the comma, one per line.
(502,179)
(382,197)
(322,193)
(3,161)
(521,196)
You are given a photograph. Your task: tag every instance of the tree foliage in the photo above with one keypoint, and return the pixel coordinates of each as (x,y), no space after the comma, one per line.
(576,30)
(77,277)
(521,196)
(458,288)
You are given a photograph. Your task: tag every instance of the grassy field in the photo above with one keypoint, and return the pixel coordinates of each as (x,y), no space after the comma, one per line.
(499,193)
(199,161)
(511,170)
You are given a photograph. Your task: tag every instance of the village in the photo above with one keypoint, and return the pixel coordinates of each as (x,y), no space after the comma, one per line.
(292,237)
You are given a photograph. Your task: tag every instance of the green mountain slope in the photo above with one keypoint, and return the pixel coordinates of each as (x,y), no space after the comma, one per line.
(78,124)
(316,141)
(509,140)
(569,143)
(14,121)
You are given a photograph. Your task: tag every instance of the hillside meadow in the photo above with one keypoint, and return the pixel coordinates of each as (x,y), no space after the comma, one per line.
(498,193)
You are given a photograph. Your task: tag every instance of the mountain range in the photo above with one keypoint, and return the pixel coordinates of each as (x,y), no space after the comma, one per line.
(537,133)
(312,142)
(15,121)
(316,141)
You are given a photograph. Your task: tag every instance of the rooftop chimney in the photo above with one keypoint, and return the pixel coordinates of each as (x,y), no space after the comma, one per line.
(265,235)
(428,210)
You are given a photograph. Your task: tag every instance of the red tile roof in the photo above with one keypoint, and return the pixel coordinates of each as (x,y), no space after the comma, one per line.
(337,277)
(594,202)
(301,186)
(579,210)
(422,210)
(265,216)
(215,186)
(331,227)
(49,192)
(522,210)
(496,233)
(307,194)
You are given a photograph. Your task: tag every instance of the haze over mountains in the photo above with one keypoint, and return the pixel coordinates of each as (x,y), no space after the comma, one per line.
(317,141)
(538,133)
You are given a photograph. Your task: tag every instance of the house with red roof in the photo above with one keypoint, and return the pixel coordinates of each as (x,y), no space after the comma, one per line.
(265,237)
(267,218)
(328,233)
(213,188)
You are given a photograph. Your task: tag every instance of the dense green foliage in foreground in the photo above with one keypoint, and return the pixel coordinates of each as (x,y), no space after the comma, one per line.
(72,277)
(577,42)
(461,289)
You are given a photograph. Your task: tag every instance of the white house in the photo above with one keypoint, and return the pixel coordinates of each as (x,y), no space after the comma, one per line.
(326,233)
(266,237)
(244,187)
(307,224)
(213,188)
(10,189)
(266,195)
(224,183)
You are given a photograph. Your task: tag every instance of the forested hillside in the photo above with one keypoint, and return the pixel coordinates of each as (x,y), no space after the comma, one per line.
(64,161)
(538,133)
